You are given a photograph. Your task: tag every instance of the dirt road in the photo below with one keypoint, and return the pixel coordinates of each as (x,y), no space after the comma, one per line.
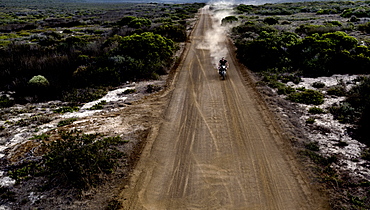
(217,147)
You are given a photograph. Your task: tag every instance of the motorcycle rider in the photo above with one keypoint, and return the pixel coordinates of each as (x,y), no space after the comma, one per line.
(222,62)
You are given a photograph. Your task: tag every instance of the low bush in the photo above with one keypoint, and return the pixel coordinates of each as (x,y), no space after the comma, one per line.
(229,20)
(243,8)
(364,27)
(318,85)
(313,146)
(175,32)
(319,159)
(6,102)
(307,97)
(312,29)
(99,105)
(33,120)
(276,84)
(25,171)
(296,79)
(7,194)
(75,161)
(129,91)
(301,89)
(39,81)
(285,90)
(337,91)
(66,122)
(78,160)
(316,110)
(365,154)
(139,22)
(270,21)
(84,95)
(310,120)
(344,113)
(152,88)
(66,109)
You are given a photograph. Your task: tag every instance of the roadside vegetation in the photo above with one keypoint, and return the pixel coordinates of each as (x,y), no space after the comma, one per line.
(64,50)
(285,42)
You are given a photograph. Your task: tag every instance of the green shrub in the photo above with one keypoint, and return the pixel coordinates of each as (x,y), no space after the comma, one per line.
(365,154)
(26,171)
(315,110)
(270,51)
(176,32)
(41,137)
(139,22)
(327,11)
(307,97)
(337,91)
(152,88)
(146,53)
(324,55)
(301,88)
(126,20)
(359,11)
(318,85)
(276,84)
(7,194)
(285,90)
(129,91)
(6,102)
(253,28)
(114,205)
(92,75)
(84,95)
(319,159)
(364,27)
(334,22)
(78,160)
(341,144)
(242,8)
(98,105)
(66,122)
(66,109)
(344,112)
(311,29)
(313,146)
(229,20)
(354,19)
(310,120)
(285,78)
(39,81)
(270,21)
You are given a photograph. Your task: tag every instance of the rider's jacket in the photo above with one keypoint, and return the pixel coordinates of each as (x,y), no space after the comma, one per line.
(223,62)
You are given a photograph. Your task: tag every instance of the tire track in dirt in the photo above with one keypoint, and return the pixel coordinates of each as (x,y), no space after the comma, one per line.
(215,148)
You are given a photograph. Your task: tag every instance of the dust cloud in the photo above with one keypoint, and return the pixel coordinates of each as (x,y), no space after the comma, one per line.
(215,37)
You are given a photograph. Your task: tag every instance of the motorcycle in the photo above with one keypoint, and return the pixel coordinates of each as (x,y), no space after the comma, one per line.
(222,71)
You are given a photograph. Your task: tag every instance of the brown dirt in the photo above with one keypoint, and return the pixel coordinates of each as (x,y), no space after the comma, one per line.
(216,145)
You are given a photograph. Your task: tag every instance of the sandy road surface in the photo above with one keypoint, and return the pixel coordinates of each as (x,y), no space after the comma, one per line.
(216,147)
